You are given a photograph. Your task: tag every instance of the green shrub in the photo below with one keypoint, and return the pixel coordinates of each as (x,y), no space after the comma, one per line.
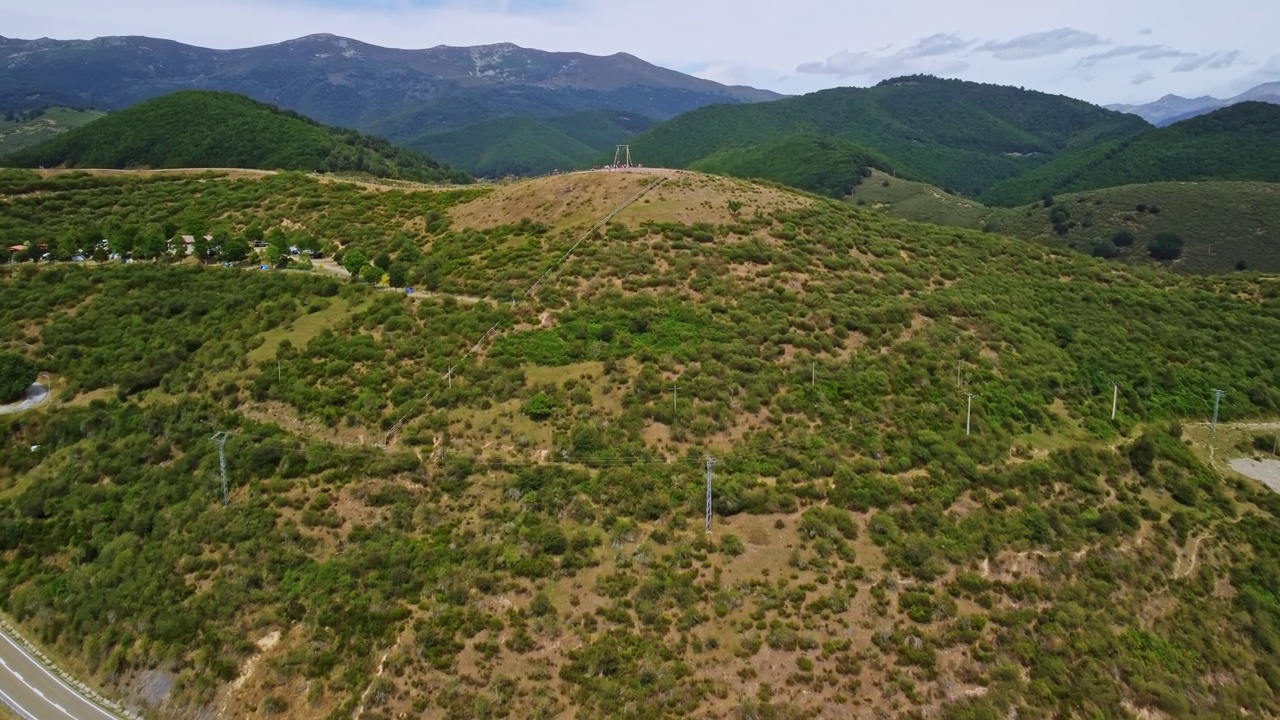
(1165,246)
(16,375)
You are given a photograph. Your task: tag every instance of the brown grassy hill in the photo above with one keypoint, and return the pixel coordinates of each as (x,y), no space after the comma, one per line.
(581,199)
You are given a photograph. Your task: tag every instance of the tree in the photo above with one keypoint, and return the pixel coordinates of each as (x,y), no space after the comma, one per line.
(278,248)
(123,240)
(371,274)
(200,247)
(540,407)
(354,262)
(383,261)
(1105,249)
(1122,238)
(16,375)
(307,242)
(1165,246)
(398,275)
(234,249)
(151,242)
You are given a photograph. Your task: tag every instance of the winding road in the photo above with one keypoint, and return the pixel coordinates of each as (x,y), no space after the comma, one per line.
(36,396)
(36,691)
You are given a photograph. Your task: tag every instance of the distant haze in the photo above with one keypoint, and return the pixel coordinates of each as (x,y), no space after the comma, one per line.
(1104,52)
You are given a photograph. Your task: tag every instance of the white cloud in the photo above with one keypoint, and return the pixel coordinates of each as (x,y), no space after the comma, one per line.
(1143,78)
(1208,61)
(1041,44)
(927,55)
(1142,52)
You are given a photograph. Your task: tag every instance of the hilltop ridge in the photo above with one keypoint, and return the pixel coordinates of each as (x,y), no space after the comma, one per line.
(196,128)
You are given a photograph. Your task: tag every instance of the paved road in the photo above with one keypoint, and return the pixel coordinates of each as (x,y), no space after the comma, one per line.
(36,395)
(35,692)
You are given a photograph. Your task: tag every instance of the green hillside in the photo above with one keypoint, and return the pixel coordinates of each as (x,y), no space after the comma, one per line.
(23,130)
(195,129)
(822,165)
(1225,226)
(507,146)
(486,498)
(524,146)
(601,129)
(959,135)
(1241,142)
(911,200)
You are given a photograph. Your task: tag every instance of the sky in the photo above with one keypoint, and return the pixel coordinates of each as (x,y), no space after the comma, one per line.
(1103,51)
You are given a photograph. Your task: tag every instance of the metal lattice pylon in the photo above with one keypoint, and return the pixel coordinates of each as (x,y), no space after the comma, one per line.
(221,439)
(711,462)
(622,156)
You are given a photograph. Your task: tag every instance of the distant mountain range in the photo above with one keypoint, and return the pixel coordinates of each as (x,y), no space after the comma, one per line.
(1174,108)
(406,96)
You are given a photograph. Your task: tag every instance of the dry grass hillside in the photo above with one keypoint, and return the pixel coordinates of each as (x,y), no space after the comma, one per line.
(579,200)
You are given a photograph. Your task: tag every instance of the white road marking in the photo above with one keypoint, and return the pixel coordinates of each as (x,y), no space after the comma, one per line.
(13,705)
(56,679)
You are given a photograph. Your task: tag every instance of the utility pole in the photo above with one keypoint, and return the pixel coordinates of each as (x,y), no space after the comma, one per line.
(710,474)
(968,421)
(449,375)
(813,374)
(1217,402)
(674,387)
(221,439)
(1115,399)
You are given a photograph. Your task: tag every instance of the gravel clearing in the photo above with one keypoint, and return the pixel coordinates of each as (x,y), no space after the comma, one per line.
(1266,472)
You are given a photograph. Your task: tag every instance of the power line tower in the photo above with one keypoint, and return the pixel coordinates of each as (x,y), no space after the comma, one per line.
(1217,402)
(622,156)
(968,420)
(1115,399)
(711,462)
(221,439)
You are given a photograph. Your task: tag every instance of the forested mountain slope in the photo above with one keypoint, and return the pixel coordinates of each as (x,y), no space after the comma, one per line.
(194,129)
(1241,142)
(960,135)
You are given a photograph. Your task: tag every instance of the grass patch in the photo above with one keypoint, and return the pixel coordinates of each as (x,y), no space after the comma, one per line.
(301,331)
(919,201)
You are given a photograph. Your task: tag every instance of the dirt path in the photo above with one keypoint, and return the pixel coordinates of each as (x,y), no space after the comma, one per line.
(1187,562)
